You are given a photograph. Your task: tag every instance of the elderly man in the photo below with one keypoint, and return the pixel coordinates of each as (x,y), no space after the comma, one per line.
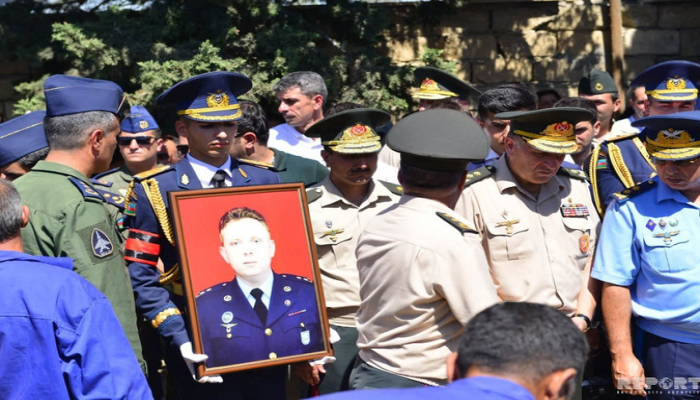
(417,290)
(647,259)
(535,219)
(22,144)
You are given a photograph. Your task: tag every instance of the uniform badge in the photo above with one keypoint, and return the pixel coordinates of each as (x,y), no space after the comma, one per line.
(574,210)
(662,224)
(305,337)
(329,224)
(143,124)
(584,243)
(333,233)
(673,222)
(651,225)
(184,179)
(598,86)
(101,245)
(227,317)
(508,224)
(668,236)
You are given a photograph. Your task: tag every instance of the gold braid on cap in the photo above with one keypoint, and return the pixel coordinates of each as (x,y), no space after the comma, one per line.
(619,166)
(152,191)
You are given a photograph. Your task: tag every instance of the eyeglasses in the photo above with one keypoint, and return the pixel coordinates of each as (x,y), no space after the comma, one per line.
(677,163)
(141,140)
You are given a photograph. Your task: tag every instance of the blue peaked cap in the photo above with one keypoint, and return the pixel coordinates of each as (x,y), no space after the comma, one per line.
(73,94)
(670,81)
(209,97)
(139,120)
(21,136)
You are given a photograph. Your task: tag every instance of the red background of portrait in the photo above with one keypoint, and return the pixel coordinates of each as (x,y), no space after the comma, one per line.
(200,223)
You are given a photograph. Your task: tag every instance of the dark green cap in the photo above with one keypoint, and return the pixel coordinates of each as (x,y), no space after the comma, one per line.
(597,82)
(351,131)
(439,140)
(436,84)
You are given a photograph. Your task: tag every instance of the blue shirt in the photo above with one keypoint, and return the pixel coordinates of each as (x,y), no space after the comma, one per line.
(59,337)
(480,387)
(650,242)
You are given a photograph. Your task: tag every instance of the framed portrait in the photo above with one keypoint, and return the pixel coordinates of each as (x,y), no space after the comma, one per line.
(251,276)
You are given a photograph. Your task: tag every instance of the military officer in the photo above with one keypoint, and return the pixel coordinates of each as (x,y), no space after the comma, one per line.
(536,220)
(69,216)
(208,110)
(22,144)
(422,272)
(436,84)
(260,314)
(139,143)
(339,208)
(599,87)
(647,259)
(623,161)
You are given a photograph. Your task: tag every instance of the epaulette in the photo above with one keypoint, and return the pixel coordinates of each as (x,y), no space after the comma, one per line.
(87,191)
(479,174)
(461,226)
(393,188)
(621,137)
(574,173)
(96,181)
(256,164)
(313,194)
(635,190)
(116,200)
(152,172)
(96,177)
(211,289)
(295,278)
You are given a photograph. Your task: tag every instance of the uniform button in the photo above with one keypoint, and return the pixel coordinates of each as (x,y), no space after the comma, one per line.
(228,336)
(302,324)
(273,356)
(268,332)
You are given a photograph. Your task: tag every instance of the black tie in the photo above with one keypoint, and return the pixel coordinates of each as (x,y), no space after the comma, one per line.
(259,306)
(219,179)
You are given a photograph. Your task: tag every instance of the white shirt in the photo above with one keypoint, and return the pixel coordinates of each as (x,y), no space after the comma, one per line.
(284,137)
(266,288)
(205,172)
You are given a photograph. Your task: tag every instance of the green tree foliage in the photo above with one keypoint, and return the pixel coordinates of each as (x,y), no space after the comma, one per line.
(147,47)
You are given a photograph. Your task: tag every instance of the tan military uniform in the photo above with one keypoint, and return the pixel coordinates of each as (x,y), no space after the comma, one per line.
(337,224)
(538,247)
(423,275)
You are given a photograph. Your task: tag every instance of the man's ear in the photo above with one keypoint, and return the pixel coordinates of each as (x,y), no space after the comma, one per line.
(96,139)
(617,104)
(325,155)
(560,384)
(250,139)
(318,102)
(159,145)
(596,128)
(181,128)
(25,216)
(453,372)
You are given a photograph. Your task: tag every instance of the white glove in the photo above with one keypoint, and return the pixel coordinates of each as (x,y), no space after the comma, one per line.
(192,358)
(335,337)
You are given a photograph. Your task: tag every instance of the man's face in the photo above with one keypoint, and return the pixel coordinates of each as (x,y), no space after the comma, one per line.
(637,102)
(12,171)
(168,153)
(497,130)
(585,132)
(350,169)
(605,105)
(296,108)
(246,246)
(529,165)
(209,141)
(655,107)
(683,175)
(546,101)
(238,147)
(104,158)
(135,152)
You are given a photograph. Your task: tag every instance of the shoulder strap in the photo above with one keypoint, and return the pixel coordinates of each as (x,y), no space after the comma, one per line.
(313,194)
(457,224)
(635,190)
(479,174)
(573,173)
(393,188)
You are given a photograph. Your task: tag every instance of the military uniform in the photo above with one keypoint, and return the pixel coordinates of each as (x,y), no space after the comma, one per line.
(293,168)
(74,221)
(537,247)
(120,178)
(232,333)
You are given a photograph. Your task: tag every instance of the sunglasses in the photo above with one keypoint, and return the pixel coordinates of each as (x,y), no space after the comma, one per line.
(141,140)
(678,163)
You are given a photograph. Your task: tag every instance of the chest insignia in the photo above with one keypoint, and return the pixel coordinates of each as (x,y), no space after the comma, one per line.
(101,245)
(651,225)
(574,210)
(227,317)
(584,243)
(673,222)
(184,179)
(333,234)
(668,236)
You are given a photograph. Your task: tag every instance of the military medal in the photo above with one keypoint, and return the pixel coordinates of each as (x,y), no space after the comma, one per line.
(583,243)
(227,317)
(662,224)
(651,225)
(673,222)
(574,210)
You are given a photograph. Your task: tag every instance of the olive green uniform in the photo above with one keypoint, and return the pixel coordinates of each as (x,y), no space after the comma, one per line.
(120,178)
(70,218)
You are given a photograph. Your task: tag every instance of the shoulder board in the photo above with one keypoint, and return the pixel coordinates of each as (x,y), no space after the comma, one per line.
(152,172)
(87,191)
(574,173)
(96,181)
(101,174)
(479,174)
(295,278)
(256,164)
(313,194)
(621,137)
(635,190)
(114,199)
(393,188)
(461,226)
(211,289)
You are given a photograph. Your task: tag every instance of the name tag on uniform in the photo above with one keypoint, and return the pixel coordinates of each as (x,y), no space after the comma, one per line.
(574,210)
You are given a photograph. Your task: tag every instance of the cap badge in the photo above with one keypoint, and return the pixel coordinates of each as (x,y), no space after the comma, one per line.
(217,100)
(429,84)
(671,136)
(143,124)
(559,129)
(675,83)
(358,130)
(598,86)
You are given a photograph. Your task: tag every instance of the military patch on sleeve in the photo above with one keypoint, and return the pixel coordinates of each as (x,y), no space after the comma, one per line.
(257,164)
(393,188)
(87,191)
(313,194)
(574,173)
(461,226)
(479,174)
(98,242)
(635,190)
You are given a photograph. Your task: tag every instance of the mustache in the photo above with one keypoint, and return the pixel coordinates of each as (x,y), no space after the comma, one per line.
(359,170)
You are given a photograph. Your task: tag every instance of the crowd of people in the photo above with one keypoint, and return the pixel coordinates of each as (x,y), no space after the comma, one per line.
(475,252)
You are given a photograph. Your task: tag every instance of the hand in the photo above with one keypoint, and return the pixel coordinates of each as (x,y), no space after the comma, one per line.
(580,323)
(192,358)
(628,375)
(309,373)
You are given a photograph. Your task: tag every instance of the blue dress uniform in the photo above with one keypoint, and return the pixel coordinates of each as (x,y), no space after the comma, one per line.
(208,97)
(232,332)
(649,243)
(59,337)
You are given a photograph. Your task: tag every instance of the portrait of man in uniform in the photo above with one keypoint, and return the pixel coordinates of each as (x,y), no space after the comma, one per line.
(269,312)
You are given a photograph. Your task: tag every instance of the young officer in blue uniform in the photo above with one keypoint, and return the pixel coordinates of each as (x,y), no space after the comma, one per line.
(22,144)
(647,258)
(623,162)
(208,112)
(260,314)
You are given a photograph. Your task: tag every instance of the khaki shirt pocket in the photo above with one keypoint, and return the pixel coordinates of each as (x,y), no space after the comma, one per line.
(669,254)
(508,244)
(335,251)
(579,232)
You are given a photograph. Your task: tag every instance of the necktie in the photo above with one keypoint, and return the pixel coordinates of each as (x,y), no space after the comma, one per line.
(259,306)
(219,179)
